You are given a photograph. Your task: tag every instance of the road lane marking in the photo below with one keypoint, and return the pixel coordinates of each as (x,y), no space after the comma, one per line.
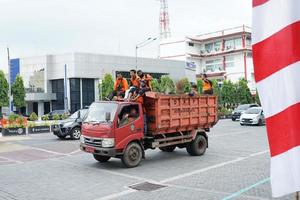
(213,167)
(116,195)
(49,151)
(238,193)
(11,160)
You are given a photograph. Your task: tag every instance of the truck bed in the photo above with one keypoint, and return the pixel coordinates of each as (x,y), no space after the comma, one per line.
(175,113)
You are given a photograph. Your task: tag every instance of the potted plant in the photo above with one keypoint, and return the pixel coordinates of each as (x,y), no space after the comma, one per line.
(15,126)
(34,127)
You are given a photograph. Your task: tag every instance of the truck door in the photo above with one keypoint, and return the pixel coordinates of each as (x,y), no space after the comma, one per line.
(129,125)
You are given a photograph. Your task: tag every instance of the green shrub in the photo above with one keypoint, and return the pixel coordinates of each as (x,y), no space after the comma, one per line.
(12,118)
(33,117)
(45,117)
(56,117)
(64,116)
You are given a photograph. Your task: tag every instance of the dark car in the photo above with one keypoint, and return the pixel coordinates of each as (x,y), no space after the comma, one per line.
(236,114)
(56,112)
(70,126)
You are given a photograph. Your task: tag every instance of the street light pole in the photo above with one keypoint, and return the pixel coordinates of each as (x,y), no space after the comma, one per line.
(139,45)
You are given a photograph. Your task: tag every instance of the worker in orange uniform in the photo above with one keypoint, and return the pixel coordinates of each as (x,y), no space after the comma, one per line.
(120,87)
(135,84)
(207,85)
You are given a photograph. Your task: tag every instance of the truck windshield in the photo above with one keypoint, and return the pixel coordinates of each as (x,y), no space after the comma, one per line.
(96,113)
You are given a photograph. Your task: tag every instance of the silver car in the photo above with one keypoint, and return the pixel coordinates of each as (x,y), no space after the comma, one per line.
(253,116)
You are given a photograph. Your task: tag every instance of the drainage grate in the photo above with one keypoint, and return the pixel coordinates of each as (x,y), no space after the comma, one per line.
(146,186)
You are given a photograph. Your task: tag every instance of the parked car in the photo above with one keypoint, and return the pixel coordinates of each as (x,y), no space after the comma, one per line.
(70,126)
(56,112)
(253,116)
(236,114)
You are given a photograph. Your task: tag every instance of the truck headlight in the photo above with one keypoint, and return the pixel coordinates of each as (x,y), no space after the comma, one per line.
(108,142)
(82,139)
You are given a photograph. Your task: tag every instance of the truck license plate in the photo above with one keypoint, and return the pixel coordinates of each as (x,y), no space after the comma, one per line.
(90,149)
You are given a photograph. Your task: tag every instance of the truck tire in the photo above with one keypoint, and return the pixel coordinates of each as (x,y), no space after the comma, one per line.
(198,146)
(75,133)
(168,148)
(132,155)
(101,158)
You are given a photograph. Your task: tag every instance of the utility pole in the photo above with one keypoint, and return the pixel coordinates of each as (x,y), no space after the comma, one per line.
(9,84)
(65,91)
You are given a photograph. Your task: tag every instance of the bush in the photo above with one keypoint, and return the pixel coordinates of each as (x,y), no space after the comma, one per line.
(12,118)
(64,116)
(183,86)
(33,117)
(167,85)
(56,117)
(20,120)
(45,117)
(155,85)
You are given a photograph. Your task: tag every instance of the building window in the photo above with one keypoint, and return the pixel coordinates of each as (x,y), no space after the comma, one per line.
(217,46)
(214,65)
(209,47)
(191,44)
(233,44)
(88,92)
(248,41)
(58,88)
(75,94)
(229,61)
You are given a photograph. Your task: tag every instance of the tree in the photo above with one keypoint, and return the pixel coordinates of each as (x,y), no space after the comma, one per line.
(228,93)
(217,91)
(200,86)
(107,86)
(18,92)
(243,92)
(4,99)
(167,85)
(257,100)
(155,85)
(183,86)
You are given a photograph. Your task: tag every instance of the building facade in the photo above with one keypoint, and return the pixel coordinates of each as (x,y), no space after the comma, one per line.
(222,55)
(44,77)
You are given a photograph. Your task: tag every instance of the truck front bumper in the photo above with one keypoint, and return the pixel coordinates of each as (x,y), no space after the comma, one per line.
(111,152)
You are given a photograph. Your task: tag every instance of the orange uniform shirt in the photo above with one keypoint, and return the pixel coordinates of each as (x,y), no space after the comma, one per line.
(121,84)
(135,82)
(206,85)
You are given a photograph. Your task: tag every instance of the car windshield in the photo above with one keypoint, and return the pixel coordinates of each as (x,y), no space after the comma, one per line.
(253,111)
(242,107)
(74,115)
(97,112)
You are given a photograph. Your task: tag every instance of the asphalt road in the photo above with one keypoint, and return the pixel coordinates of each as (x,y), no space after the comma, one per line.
(42,167)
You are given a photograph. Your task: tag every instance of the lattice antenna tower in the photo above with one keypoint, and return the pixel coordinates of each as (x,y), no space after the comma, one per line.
(164,21)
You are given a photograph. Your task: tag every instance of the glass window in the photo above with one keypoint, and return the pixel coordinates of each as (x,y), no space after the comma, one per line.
(34,77)
(248,41)
(229,44)
(128,114)
(238,43)
(217,46)
(88,92)
(191,44)
(229,61)
(75,94)
(208,47)
(97,112)
(58,88)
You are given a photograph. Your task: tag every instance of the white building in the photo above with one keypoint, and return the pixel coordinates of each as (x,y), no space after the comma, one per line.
(44,77)
(225,54)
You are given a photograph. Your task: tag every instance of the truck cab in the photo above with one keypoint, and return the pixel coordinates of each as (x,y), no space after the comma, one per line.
(118,129)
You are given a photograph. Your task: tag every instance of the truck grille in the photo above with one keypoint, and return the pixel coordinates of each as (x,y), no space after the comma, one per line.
(93,142)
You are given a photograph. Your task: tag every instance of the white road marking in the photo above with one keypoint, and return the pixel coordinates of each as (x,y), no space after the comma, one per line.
(213,167)
(48,151)
(128,191)
(73,152)
(228,134)
(11,160)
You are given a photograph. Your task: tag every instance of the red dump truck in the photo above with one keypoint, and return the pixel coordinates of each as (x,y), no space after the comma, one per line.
(171,121)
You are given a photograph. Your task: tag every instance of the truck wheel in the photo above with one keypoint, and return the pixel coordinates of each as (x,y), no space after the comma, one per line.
(75,133)
(168,148)
(132,155)
(198,146)
(100,158)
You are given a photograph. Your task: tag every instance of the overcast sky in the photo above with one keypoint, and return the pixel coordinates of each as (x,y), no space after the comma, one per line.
(39,27)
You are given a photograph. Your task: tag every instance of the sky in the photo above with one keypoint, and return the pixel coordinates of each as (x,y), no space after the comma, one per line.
(40,27)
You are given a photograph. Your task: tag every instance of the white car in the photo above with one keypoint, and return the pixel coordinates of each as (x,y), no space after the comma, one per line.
(253,116)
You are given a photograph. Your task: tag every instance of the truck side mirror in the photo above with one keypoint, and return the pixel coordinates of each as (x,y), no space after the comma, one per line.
(107,116)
